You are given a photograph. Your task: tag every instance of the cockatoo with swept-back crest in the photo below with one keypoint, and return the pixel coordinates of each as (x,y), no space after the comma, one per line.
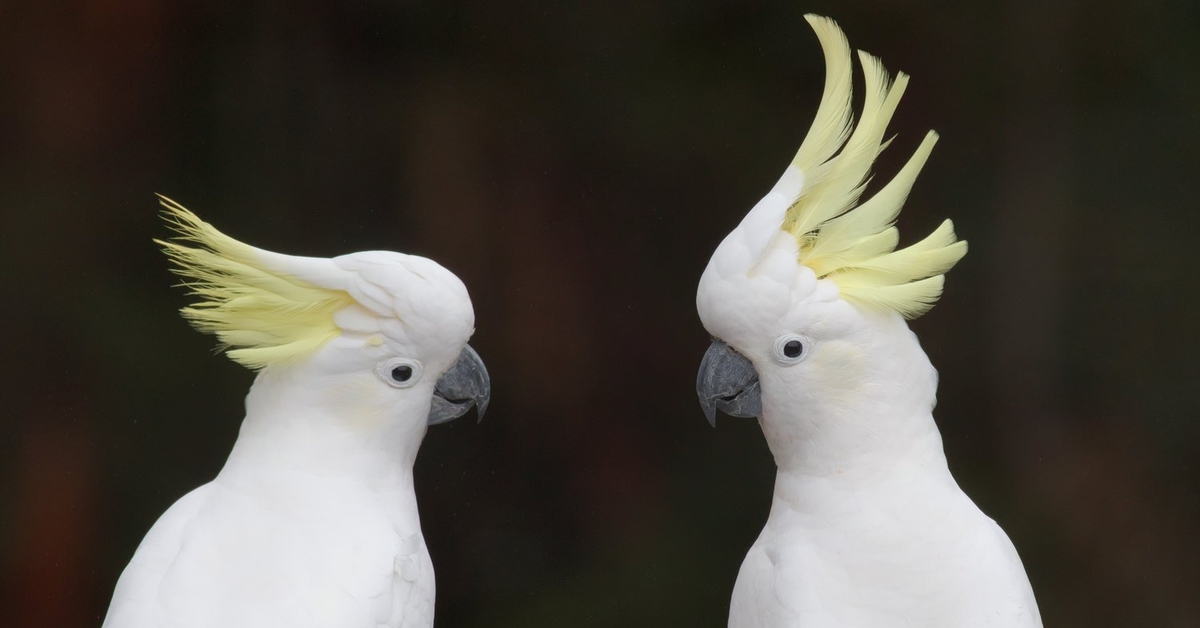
(312,522)
(807,300)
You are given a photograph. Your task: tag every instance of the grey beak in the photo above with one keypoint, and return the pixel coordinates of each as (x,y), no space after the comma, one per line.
(465,384)
(729,383)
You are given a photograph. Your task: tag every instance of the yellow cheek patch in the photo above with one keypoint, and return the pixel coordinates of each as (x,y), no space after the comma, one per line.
(374,341)
(360,399)
(837,367)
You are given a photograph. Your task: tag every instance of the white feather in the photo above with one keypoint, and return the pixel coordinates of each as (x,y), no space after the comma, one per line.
(312,522)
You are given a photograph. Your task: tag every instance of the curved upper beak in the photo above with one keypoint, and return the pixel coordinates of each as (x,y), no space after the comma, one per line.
(466,383)
(729,383)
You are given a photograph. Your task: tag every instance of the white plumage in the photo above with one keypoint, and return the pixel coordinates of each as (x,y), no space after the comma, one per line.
(867,526)
(313,521)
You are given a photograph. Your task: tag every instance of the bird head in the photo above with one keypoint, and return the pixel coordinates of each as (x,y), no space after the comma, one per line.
(372,335)
(807,298)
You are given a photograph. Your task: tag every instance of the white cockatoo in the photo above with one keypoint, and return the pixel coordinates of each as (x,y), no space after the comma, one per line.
(312,522)
(807,300)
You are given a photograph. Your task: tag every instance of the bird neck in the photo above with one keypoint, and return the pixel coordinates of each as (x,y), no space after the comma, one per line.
(294,424)
(867,446)
(849,489)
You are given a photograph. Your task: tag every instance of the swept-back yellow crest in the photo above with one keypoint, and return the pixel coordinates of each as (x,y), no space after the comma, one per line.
(852,243)
(260,315)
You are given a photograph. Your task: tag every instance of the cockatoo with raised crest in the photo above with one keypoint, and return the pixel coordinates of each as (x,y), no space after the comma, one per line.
(806,300)
(313,521)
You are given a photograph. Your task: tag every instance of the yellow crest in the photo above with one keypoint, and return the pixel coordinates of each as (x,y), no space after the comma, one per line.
(261,315)
(855,244)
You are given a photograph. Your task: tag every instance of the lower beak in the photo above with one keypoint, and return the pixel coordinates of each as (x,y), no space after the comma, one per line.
(465,384)
(727,382)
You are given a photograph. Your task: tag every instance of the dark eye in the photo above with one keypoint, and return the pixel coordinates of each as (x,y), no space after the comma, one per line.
(404,372)
(399,372)
(789,349)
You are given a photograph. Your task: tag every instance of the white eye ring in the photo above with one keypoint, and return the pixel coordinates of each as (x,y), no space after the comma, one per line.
(399,372)
(790,349)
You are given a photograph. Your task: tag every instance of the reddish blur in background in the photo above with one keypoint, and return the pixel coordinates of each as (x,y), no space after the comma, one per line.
(576,167)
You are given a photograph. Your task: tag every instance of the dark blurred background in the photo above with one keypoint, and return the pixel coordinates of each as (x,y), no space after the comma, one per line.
(576,166)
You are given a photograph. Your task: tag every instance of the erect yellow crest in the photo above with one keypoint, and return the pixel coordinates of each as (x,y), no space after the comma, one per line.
(261,315)
(855,244)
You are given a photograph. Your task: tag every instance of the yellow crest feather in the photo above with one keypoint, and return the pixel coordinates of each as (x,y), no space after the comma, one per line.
(260,315)
(855,244)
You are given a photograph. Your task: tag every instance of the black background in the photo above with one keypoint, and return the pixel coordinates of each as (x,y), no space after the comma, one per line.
(576,165)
